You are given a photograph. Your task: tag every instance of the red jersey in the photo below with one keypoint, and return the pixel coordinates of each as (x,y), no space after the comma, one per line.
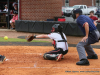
(94,18)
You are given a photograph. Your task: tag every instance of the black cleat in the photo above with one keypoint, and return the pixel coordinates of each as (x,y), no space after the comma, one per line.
(93,57)
(83,62)
(2,58)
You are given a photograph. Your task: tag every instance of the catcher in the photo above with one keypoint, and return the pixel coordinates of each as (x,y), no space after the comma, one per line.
(59,43)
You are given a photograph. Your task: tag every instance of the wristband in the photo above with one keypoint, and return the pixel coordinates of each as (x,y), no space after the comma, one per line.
(34,36)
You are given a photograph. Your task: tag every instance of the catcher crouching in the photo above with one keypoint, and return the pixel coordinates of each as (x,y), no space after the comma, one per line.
(59,43)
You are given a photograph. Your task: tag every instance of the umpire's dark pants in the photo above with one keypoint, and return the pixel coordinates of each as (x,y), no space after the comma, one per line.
(86,46)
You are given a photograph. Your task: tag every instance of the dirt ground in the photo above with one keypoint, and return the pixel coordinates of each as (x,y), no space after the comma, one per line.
(28,60)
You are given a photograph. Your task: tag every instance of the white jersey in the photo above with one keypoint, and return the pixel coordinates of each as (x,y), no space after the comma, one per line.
(6,11)
(57,37)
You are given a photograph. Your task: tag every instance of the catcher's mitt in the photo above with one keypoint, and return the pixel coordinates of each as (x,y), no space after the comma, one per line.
(30,38)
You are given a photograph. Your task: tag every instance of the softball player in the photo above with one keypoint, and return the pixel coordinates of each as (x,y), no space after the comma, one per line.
(92,35)
(59,43)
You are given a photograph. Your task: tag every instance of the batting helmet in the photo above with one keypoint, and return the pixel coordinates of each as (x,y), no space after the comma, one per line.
(57,28)
(75,12)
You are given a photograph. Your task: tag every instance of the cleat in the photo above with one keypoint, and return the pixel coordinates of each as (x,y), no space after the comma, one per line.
(61,57)
(93,57)
(2,59)
(83,62)
(58,58)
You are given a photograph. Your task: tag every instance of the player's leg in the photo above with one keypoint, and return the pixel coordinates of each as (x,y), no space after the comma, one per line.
(98,34)
(54,54)
(82,54)
(89,49)
(90,52)
(11,22)
(12,25)
(81,50)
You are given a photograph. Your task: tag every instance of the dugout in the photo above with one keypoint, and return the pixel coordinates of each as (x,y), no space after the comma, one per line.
(3,21)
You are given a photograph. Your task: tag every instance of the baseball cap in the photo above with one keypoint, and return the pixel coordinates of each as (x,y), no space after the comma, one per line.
(5,5)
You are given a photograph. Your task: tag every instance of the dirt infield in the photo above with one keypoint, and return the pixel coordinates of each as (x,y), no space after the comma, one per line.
(28,60)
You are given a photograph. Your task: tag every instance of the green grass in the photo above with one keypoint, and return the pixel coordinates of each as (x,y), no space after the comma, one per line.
(17,40)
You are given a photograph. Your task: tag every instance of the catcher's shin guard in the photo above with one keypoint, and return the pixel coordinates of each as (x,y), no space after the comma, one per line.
(50,56)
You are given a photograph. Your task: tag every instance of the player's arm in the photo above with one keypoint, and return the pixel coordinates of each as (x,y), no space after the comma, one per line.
(31,37)
(95,23)
(42,36)
(86,26)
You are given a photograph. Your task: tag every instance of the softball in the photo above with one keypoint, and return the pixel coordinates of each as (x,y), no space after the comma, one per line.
(5,37)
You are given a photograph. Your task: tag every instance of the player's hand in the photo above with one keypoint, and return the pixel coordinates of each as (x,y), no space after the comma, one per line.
(30,38)
(84,39)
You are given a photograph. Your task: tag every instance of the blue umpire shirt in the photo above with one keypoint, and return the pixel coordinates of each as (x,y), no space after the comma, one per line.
(82,19)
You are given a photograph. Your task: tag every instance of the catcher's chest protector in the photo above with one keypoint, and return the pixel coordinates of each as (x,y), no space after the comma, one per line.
(54,42)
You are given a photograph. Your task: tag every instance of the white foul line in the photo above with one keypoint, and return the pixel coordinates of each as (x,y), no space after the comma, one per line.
(43,53)
(53,67)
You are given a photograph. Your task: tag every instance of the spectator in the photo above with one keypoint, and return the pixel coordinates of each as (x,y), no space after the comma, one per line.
(6,10)
(16,9)
(15,4)
(92,16)
(12,21)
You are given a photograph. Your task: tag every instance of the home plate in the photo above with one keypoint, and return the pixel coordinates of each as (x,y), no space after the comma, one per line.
(6,59)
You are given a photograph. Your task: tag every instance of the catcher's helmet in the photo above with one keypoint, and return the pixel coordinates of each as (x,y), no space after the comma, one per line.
(57,28)
(75,12)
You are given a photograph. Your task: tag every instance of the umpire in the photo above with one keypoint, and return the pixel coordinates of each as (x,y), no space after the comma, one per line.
(92,35)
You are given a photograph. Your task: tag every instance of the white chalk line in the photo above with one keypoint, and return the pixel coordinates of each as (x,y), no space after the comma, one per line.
(14,60)
(43,53)
(26,53)
(53,68)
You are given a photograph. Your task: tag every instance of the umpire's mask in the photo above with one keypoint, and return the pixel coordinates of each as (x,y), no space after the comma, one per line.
(75,12)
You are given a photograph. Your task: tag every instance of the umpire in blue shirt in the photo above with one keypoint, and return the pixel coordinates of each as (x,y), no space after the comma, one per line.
(91,36)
